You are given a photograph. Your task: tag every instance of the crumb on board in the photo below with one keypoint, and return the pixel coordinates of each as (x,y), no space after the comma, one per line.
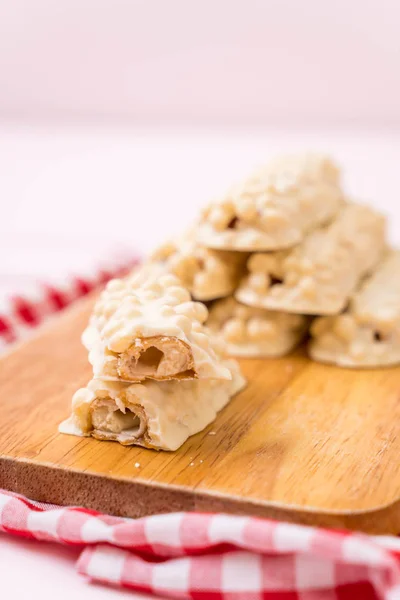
(137,465)
(212,433)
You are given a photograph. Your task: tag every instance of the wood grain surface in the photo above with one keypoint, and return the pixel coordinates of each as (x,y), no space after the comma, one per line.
(304,442)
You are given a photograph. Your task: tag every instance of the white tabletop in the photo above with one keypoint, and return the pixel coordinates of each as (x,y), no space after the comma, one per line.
(68,193)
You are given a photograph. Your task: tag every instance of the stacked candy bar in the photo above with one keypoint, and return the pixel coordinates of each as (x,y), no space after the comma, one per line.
(283,250)
(367,333)
(159,376)
(235,252)
(320,273)
(283,247)
(275,207)
(207,273)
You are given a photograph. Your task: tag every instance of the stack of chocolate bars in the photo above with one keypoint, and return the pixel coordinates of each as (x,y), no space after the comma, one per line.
(286,254)
(158,375)
(282,255)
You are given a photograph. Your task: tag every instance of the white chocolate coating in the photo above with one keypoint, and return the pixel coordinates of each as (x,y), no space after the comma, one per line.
(275,207)
(159,415)
(128,315)
(255,332)
(319,275)
(207,274)
(367,334)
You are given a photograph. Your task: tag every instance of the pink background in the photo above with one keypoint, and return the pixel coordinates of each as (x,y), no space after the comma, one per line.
(257,62)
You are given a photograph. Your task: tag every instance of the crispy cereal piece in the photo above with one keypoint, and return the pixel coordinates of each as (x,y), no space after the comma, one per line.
(150,331)
(319,275)
(367,334)
(255,332)
(160,415)
(207,274)
(275,207)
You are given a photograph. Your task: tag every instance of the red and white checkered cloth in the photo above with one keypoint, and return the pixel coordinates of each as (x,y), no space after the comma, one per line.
(22,313)
(194,555)
(204,556)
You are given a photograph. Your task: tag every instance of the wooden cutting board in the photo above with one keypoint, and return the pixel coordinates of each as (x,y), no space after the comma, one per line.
(304,442)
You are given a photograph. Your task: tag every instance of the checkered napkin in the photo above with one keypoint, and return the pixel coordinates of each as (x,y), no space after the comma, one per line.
(204,556)
(37,299)
(194,555)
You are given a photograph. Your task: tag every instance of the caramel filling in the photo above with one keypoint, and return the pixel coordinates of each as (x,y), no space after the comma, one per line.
(108,421)
(157,357)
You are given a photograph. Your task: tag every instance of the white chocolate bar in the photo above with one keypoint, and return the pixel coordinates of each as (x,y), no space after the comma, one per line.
(319,275)
(367,334)
(207,274)
(150,330)
(255,332)
(159,415)
(275,207)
